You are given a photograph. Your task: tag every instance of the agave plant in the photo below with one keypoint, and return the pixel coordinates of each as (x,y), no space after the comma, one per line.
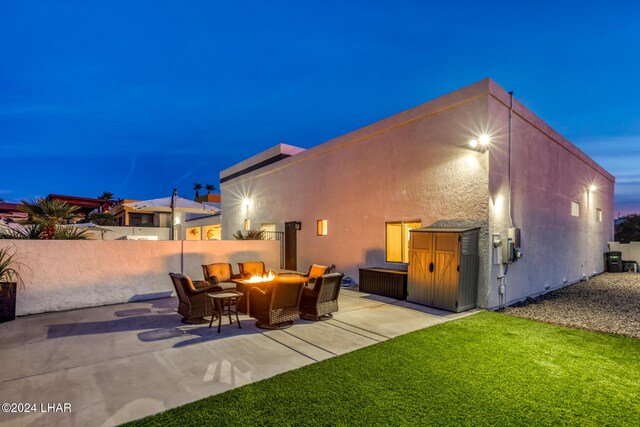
(251,235)
(21,232)
(34,232)
(49,213)
(69,232)
(104,218)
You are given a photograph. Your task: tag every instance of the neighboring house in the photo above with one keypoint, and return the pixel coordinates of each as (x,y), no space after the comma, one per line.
(204,227)
(10,212)
(85,205)
(126,216)
(352,200)
(189,226)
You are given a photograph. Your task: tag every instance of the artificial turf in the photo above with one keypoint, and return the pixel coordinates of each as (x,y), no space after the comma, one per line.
(485,369)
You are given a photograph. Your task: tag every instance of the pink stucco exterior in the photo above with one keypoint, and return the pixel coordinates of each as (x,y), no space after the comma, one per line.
(416,165)
(547,174)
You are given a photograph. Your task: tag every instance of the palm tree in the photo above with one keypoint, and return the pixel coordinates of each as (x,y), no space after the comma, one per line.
(108,197)
(48,213)
(210,188)
(110,200)
(197,187)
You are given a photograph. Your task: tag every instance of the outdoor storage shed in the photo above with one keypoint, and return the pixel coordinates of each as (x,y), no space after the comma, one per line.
(443,267)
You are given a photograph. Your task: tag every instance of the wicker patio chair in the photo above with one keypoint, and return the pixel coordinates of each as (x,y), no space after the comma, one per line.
(248,269)
(319,302)
(315,270)
(277,306)
(193,304)
(220,274)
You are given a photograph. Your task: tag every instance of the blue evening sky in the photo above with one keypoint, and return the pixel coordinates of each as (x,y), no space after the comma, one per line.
(138,97)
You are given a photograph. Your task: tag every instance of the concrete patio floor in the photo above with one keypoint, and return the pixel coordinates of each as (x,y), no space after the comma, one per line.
(122,362)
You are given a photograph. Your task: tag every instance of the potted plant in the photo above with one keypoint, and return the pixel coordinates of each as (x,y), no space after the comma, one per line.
(10,279)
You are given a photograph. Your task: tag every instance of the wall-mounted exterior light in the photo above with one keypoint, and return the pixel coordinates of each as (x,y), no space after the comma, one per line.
(592,188)
(246,204)
(322,227)
(247,224)
(481,143)
(298,225)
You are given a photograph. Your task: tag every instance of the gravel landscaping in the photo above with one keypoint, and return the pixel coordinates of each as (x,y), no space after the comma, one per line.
(608,303)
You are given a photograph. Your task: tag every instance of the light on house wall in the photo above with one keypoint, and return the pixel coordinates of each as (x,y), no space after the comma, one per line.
(246,203)
(592,188)
(323,228)
(481,143)
(247,224)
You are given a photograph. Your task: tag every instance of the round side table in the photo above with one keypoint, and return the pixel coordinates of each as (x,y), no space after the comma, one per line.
(219,299)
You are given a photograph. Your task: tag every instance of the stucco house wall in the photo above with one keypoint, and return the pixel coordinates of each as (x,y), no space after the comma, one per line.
(547,174)
(412,166)
(417,165)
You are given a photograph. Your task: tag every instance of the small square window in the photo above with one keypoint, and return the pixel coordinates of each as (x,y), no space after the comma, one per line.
(575,208)
(599,215)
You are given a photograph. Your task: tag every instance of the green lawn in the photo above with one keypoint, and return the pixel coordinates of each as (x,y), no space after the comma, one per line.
(486,369)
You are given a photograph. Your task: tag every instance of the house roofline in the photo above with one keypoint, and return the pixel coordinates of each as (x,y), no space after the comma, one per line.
(485,87)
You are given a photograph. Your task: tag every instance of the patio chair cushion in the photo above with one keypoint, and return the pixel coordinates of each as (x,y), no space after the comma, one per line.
(222,271)
(248,269)
(317,270)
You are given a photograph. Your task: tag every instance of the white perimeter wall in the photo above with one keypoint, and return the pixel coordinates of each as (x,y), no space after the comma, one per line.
(117,232)
(412,166)
(62,275)
(630,251)
(547,174)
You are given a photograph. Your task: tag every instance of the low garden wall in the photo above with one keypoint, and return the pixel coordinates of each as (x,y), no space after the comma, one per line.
(63,275)
(630,251)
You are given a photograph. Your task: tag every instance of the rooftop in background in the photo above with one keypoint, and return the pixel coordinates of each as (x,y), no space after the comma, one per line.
(86,205)
(209,198)
(267,157)
(11,212)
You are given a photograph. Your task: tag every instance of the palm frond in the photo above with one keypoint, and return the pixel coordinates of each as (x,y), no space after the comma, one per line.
(9,265)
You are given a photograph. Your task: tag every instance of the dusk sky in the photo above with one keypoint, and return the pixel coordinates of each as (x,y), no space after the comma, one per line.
(140,97)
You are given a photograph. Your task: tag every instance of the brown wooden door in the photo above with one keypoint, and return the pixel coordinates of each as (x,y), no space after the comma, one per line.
(446,253)
(290,246)
(420,280)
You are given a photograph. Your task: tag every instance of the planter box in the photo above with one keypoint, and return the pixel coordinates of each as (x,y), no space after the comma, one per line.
(7,302)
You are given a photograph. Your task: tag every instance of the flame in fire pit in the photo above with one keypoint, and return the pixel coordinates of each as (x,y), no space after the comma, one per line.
(256,278)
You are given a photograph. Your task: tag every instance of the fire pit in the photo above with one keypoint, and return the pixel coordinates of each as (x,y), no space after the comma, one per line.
(255,281)
(256,278)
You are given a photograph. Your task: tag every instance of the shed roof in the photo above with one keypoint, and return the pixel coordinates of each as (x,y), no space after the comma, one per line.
(443,229)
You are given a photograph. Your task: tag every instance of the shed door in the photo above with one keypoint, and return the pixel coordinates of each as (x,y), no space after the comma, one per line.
(446,255)
(420,280)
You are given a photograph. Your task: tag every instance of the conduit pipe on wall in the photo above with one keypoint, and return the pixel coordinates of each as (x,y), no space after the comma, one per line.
(504,268)
(509,174)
